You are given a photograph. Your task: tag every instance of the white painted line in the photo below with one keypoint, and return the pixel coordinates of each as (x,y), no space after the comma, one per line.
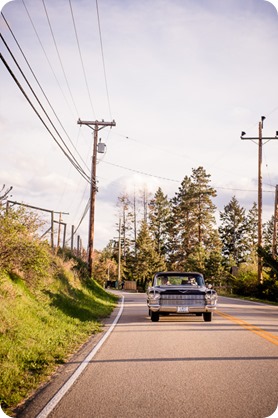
(59,395)
(3,415)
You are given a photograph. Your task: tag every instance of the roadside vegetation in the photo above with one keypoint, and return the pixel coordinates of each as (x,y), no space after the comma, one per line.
(48,307)
(181,233)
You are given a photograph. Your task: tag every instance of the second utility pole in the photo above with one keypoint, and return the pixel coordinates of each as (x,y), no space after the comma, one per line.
(260,139)
(96,126)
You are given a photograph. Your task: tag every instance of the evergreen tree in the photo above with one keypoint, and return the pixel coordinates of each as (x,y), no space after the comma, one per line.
(213,261)
(144,199)
(126,216)
(205,210)
(179,243)
(193,228)
(268,232)
(252,234)
(148,260)
(233,233)
(159,214)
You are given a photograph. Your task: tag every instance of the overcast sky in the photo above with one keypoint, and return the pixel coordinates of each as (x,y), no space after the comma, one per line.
(181,78)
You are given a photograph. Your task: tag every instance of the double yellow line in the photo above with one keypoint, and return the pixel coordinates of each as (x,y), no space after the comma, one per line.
(264,334)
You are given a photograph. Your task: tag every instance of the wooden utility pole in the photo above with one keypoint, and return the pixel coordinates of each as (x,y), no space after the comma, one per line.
(260,139)
(59,232)
(275,220)
(72,237)
(119,253)
(96,126)
(260,199)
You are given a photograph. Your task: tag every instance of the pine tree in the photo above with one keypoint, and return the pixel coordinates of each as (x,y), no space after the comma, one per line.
(233,232)
(126,216)
(159,214)
(252,234)
(205,209)
(193,227)
(148,260)
(268,231)
(179,244)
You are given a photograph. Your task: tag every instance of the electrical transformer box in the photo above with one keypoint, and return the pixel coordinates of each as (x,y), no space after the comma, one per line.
(101,147)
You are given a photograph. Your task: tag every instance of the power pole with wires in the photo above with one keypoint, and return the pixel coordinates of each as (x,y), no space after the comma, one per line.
(96,126)
(260,140)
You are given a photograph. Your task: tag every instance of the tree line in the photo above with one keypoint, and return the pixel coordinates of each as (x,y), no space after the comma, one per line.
(158,233)
(181,234)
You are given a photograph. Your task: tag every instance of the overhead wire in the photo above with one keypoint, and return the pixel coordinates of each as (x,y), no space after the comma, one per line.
(82,218)
(177,181)
(46,56)
(103,61)
(84,214)
(42,90)
(81,58)
(59,56)
(73,162)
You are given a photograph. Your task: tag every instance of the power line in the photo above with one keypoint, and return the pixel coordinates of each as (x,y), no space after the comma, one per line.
(43,92)
(103,63)
(45,54)
(73,159)
(178,181)
(81,59)
(140,172)
(59,57)
(82,218)
(73,162)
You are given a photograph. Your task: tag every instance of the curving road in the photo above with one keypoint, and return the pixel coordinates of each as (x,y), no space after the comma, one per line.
(178,367)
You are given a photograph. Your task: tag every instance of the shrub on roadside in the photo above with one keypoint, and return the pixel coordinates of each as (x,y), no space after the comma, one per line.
(21,250)
(246,283)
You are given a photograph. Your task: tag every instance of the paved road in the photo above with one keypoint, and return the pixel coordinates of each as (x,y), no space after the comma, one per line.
(181,366)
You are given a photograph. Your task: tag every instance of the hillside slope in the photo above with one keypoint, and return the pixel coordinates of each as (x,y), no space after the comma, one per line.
(43,321)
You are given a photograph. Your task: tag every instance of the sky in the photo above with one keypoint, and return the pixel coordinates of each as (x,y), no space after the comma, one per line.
(181,78)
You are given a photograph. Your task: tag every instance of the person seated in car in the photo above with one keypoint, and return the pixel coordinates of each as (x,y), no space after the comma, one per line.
(165,281)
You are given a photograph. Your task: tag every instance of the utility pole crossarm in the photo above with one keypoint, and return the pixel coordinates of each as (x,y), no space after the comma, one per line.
(96,123)
(256,138)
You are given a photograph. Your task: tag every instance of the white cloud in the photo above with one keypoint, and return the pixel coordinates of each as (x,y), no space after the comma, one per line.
(184,79)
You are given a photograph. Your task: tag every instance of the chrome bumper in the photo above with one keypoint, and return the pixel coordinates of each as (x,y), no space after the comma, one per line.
(174,308)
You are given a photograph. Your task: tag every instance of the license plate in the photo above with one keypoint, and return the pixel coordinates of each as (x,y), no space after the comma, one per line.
(183,309)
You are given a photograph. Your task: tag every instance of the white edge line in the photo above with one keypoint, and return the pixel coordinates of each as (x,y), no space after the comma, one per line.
(59,395)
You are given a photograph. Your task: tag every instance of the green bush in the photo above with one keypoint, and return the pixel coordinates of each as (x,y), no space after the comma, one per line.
(246,285)
(20,248)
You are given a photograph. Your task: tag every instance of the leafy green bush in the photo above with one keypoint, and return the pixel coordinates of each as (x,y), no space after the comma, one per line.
(20,248)
(246,282)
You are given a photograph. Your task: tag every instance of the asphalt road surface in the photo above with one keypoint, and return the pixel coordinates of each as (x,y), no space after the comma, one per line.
(178,367)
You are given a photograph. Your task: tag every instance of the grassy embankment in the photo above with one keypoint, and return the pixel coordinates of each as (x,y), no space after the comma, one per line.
(42,324)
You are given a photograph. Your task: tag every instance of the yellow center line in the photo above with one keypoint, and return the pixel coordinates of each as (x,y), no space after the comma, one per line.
(253,328)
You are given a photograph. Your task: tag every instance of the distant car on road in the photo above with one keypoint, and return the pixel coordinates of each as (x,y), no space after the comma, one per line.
(180,293)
